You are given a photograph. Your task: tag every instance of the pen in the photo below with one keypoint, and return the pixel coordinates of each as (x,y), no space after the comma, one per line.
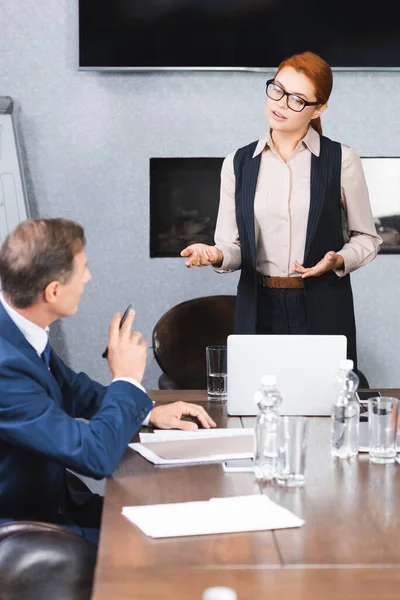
(105,353)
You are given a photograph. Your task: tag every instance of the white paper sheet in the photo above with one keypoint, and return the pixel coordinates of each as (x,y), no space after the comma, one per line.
(217,515)
(209,456)
(176,434)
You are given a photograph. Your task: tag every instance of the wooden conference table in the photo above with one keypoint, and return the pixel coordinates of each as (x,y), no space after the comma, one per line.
(349,546)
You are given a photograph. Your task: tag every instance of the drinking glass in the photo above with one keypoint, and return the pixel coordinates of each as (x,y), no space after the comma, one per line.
(382,428)
(292,451)
(216,359)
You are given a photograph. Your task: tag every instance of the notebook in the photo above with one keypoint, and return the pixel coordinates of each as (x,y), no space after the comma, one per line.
(305,367)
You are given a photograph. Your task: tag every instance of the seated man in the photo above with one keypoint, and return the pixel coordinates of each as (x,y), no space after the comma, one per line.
(43,273)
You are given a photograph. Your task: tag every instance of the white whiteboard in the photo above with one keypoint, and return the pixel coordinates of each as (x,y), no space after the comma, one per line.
(13,202)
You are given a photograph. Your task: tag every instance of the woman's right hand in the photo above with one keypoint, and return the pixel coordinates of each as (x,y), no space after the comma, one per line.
(201,255)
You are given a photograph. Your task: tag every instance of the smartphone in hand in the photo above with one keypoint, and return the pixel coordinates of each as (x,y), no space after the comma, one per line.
(105,353)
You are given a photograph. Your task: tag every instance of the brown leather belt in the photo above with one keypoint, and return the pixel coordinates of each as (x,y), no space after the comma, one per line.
(281,282)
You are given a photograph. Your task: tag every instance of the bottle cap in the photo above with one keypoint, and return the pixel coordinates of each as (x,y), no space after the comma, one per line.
(219,593)
(268,380)
(347,364)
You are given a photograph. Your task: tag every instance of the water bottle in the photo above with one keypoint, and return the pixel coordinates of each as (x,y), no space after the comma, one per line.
(345,413)
(219,593)
(267,429)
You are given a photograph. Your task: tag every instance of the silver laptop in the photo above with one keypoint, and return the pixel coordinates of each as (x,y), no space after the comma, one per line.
(305,367)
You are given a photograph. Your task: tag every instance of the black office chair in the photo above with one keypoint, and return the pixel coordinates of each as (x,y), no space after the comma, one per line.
(46,562)
(181,335)
(364,383)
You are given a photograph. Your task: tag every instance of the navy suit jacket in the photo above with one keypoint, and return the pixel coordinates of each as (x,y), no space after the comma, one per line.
(40,431)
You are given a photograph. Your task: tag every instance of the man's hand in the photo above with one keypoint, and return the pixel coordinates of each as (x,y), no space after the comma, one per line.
(126,351)
(201,255)
(331,260)
(169,416)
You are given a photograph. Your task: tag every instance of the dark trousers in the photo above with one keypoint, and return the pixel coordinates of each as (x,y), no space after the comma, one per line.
(281,311)
(284,312)
(85,511)
(82,516)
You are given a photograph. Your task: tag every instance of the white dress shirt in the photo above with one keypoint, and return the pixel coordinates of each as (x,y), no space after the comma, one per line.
(38,336)
(281,206)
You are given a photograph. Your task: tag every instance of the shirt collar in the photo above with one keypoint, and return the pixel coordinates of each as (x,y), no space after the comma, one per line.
(311,140)
(265,141)
(36,336)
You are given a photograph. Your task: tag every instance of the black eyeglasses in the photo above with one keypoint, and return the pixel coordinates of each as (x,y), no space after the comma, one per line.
(294,102)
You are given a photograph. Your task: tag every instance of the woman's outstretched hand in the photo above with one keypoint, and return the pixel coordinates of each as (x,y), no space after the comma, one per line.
(201,255)
(331,260)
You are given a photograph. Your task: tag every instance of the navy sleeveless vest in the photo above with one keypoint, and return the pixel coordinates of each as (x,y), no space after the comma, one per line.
(329,298)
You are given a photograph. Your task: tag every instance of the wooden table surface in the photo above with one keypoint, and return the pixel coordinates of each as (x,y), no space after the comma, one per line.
(349,546)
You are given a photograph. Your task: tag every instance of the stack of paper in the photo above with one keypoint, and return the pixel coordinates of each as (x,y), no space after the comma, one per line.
(218,515)
(160,435)
(190,447)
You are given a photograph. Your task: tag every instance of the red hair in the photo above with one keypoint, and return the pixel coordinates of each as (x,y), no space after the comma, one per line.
(318,72)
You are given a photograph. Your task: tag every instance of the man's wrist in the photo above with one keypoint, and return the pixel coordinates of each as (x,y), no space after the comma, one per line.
(118,375)
(131,380)
(135,382)
(147,422)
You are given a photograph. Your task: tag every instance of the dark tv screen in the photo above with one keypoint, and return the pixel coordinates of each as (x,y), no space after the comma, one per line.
(236,34)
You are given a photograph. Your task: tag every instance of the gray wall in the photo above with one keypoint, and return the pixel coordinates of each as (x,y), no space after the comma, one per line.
(87,138)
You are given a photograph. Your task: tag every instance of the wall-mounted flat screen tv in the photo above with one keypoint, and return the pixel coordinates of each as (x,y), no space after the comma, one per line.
(236,34)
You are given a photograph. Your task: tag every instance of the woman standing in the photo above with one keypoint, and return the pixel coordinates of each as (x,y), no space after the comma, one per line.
(294,215)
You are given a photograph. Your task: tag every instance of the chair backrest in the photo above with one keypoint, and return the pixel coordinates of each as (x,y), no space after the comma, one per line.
(44,561)
(181,335)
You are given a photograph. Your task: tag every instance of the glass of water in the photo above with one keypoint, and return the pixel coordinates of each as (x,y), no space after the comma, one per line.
(382,426)
(216,360)
(292,451)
